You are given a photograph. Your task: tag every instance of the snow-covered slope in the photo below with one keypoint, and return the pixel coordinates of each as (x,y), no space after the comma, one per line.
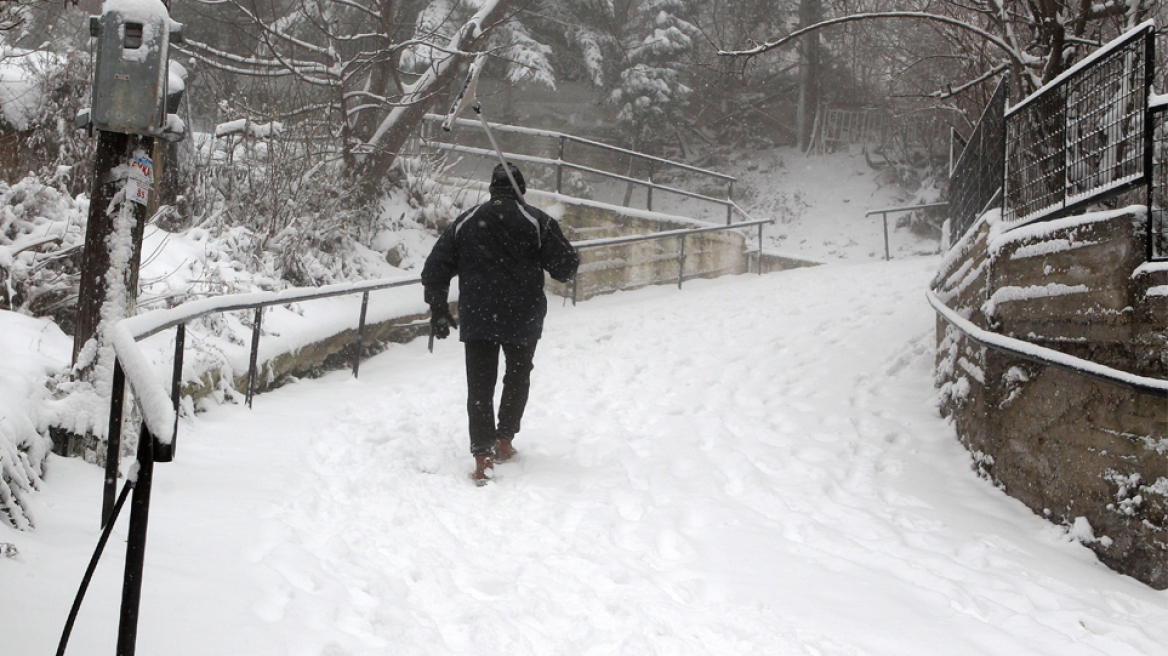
(750,466)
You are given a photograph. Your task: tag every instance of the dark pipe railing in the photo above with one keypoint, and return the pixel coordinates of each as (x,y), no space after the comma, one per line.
(160,447)
(892,210)
(560,163)
(669,234)
(1049,357)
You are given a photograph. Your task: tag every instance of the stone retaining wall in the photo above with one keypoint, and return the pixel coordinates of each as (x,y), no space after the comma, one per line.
(1074,450)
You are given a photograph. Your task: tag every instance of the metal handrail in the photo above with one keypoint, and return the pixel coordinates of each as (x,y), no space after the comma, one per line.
(551,134)
(560,163)
(907,208)
(615,241)
(156,439)
(535,159)
(158,432)
(668,234)
(1047,356)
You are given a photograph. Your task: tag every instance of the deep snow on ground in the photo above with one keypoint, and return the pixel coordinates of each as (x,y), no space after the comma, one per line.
(752,465)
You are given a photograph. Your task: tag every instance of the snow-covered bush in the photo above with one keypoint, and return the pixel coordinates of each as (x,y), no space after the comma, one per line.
(42,230)
(41,92)
(298,211)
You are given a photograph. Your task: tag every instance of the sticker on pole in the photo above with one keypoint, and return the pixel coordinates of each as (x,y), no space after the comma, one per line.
(137,191)
(141,175)
(142,167)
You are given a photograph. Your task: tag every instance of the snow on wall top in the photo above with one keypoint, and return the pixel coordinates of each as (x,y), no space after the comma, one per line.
(1001,236)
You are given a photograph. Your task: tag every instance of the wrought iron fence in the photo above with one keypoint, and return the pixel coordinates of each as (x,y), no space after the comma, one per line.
(1158,186)
(1083,135)
(977,175)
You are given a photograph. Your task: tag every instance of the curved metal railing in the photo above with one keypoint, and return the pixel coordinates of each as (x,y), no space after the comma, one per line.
(158,433)
(1048,356)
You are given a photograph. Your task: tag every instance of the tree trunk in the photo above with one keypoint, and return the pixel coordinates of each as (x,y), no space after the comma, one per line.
(382,148)
(810,12)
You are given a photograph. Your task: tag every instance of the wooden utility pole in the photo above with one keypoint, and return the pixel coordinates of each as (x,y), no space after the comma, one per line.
(114,150)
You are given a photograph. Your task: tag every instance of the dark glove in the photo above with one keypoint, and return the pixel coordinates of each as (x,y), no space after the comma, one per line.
(441,321)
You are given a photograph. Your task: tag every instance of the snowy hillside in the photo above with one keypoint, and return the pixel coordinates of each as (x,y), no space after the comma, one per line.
(750,466)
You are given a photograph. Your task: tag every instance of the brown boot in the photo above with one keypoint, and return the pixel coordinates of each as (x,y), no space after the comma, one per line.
(484,470)
(504,452)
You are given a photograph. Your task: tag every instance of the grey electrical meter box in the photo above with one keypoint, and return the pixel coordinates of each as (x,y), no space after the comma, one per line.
(130,78)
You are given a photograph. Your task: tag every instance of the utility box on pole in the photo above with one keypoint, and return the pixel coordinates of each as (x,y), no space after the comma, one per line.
(130,78)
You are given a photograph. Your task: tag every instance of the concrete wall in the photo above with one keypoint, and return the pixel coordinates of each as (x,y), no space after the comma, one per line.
(631,266)
(1066,446)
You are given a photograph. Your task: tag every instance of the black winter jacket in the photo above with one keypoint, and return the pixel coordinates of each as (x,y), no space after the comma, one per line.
(499,251)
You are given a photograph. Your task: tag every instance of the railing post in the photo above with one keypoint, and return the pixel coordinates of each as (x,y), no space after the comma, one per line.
(1149,136)
(360,334)
(729,201)
(681,263)
(255,351)
(560,166)
(649,194)
(136,545)
(575,288)
(760,249)
(166,451)
(884,216)
(113,442)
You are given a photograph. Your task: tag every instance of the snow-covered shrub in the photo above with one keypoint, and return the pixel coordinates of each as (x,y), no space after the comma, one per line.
(288,192)
(22,458)
(41,92)
(42,230)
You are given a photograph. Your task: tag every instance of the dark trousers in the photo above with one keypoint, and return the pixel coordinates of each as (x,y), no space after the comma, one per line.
(482,369)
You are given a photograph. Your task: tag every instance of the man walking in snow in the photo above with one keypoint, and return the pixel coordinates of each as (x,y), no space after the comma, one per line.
(499,251)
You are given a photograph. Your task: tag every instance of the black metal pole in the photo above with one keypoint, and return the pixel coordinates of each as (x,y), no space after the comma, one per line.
(884,216)
(113,442)
(730,200)
(560,167)
(1149,135)
(649,195)
(360,334)
(681,263)
(101,542)
(255,352)
(760,249)
(575,288)
(166,451)
(136,545)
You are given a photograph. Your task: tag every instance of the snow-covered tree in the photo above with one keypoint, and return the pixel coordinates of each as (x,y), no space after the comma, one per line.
(363,71)
(1036,41)
(652,91)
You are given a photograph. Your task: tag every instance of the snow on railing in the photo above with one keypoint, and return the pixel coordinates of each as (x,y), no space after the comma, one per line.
(561,162)
(1048,356)
(160,409)
(157,407)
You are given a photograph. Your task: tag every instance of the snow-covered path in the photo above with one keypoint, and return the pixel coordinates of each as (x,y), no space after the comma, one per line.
(748,466)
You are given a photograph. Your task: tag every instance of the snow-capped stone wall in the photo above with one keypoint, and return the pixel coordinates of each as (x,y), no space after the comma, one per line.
(1077,451)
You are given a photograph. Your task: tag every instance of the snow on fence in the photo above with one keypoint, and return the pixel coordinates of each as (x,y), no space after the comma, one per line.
(1094,131)
(976,178)
(1083,135)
